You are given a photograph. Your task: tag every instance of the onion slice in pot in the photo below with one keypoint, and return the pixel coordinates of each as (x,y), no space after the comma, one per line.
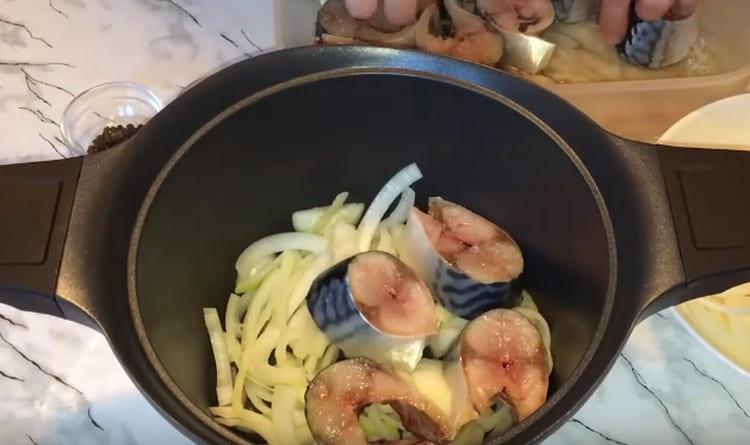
(390,191)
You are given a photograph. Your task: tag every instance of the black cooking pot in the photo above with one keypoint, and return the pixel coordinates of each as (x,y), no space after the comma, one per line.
(136,240)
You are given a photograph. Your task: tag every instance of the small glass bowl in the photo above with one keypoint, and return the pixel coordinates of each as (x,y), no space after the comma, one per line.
(108,104)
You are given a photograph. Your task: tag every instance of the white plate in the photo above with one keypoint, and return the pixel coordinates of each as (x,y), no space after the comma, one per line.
(722,124)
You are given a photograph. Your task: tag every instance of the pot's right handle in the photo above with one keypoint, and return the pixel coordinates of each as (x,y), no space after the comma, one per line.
(709,195)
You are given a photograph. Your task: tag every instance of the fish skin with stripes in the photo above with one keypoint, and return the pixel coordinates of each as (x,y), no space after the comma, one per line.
(470,263)
(659,43)
(338,307)
(467,298)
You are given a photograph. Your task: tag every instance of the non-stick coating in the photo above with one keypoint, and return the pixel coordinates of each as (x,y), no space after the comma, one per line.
(300,146)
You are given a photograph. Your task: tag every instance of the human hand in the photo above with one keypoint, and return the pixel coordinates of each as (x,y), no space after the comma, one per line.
(398,12)
(613,16)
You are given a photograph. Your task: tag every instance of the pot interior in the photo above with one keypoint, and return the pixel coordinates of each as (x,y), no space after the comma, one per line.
(300,146)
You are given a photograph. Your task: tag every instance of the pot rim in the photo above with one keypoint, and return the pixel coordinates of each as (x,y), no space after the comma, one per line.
(432,73)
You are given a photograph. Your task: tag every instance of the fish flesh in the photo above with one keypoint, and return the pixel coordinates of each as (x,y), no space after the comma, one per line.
(575,11)
(660,43)
(337,395)
(471,264)
(471,39)
(373,305)
(500,356)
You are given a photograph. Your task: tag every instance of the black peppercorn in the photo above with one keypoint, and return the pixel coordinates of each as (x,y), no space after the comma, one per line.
(111,136)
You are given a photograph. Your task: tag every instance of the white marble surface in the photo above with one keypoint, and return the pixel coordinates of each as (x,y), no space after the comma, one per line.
(59,382)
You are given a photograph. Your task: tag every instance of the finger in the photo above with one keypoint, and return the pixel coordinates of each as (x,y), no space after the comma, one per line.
(682,9)
(613,19)
(401,12)
(650,10)
(361,9)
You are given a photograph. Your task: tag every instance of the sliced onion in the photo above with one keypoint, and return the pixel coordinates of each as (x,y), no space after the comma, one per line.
(232,324)
(541,325)
(343,241)
(299,292)
(303,323)
(243,304)
(282,406)
(330,212)
(390,191)
(258,397)
(260,309)
(234,349)
(385,242)
(401,212)
(330,356)
(304,220)
(527,301)
(247,420)
(397,236)
(221,356)
(258,355)
(280,242)
(249,279)
(281,295)
(232,316)
(279,352)
(303,431)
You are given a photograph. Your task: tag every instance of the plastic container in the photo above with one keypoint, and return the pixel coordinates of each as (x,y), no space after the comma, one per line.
(641,110)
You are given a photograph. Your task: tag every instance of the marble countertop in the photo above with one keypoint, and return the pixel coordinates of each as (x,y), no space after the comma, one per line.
(60,383)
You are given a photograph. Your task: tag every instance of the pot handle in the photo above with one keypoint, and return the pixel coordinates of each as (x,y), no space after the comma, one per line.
(36,200)
(709,195)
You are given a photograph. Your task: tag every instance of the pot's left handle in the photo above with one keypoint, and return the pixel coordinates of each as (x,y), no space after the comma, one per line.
(36,200)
